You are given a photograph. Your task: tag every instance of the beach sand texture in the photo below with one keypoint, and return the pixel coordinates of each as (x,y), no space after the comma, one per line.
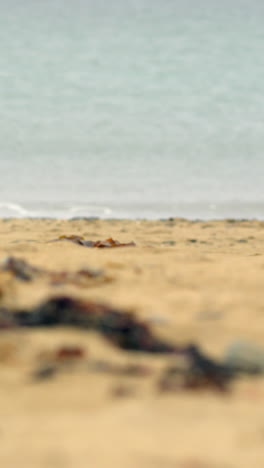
(193,282)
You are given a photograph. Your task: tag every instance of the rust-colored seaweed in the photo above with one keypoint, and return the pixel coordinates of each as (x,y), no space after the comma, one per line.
(69,353)
(108,243)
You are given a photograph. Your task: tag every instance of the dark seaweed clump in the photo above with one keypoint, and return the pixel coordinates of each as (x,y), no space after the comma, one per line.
(129,333)
(121,328)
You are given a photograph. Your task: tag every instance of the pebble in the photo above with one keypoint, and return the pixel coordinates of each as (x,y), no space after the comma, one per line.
(245,357)
(45,372)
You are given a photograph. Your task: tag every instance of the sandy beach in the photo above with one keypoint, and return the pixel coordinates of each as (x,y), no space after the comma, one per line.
(192,282)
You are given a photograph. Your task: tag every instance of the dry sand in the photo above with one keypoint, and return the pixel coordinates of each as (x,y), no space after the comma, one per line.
(199,282)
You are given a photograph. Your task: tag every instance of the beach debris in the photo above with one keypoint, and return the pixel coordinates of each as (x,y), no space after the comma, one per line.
(196,371)
(24,271)
(6,319)
(245,357)
(19,268)
(124,370)
(76,239)
(191,369)
(66,353)
(108,243)
(135,370)
(80,278)
(168,242)
(85,218)
(45,372)
(120,327)
(54,361)
(101,366)
(123,391)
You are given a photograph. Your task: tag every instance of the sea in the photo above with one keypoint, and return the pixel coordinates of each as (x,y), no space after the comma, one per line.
(132,108)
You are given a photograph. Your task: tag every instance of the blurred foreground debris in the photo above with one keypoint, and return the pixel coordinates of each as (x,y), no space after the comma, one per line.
(191,368)
(196,371)
(245,357)
(120,327)
(24,271)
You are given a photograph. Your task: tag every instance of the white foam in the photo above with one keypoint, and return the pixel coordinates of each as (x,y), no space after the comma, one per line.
(7,208)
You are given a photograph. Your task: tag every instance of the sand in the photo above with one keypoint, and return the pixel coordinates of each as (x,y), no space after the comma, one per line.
(193,282)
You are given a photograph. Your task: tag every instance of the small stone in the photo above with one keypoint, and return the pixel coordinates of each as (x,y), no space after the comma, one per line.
(123,391)
(168,242)
(45,372)
(245,357)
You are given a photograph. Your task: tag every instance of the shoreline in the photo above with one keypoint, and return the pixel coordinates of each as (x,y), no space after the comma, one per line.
(231,219)
(155,210)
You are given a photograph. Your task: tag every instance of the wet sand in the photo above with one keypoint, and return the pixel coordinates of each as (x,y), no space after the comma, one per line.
(193,282)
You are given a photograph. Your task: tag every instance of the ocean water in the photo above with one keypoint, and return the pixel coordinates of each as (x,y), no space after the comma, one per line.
(132,108)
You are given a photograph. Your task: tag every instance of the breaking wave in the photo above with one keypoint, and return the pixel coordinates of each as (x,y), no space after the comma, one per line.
(130,210)
(13,210)
(50,210)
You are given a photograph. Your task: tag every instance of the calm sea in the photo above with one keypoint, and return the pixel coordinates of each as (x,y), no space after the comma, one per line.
(132,108)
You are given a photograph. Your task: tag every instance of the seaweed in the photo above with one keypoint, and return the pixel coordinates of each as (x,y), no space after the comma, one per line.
(45,372)
(6,319)
(192,370)
(69,353)
(108,243)
(198,372)
(24,271)
(121,328)
(19,268)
